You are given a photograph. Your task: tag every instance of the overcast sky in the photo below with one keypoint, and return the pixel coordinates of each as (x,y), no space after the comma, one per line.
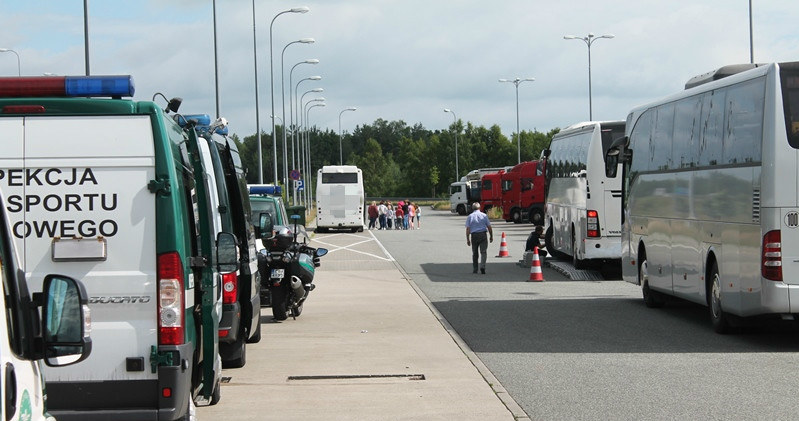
(402,59)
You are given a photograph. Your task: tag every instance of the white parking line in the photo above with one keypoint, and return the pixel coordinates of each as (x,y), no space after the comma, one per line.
(334,247)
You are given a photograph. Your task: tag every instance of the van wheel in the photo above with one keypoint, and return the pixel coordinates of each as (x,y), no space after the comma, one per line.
(254,339)
(720,320)
(279,303)
(217,395)
(652,299)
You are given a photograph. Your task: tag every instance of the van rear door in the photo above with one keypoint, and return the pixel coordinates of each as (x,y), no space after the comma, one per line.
(82,208)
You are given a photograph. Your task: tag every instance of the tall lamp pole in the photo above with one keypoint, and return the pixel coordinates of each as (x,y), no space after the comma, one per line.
(340,135)
(589,39)
(292,107)
(8,50)
(454,123)
(283,100)
(751,40)
(308,144)
(516,82)
(303,9)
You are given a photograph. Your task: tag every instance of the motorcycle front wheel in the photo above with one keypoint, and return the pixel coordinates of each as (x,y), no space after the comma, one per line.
(279,297)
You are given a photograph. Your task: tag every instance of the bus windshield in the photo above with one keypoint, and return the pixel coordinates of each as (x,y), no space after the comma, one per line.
(339,178)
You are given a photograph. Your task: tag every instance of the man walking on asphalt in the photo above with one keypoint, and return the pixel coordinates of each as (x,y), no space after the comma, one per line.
(477,223)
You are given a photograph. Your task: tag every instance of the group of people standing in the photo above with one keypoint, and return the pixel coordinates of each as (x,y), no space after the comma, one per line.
(403,216)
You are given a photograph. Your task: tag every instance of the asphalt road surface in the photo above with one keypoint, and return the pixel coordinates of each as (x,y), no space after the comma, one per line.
(578,350)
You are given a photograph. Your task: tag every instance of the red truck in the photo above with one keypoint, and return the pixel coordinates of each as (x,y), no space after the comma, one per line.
(524,193)
(491,190)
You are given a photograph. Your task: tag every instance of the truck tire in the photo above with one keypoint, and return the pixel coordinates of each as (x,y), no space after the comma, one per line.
(461,210)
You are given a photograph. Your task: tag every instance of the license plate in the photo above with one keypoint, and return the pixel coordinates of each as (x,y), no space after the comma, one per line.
(277,274)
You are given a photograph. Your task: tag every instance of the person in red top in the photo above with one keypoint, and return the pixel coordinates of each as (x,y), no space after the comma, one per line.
(399,214)
(372,212)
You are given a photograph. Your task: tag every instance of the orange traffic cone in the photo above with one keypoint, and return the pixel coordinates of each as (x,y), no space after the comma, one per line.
(503,247)
(535,269)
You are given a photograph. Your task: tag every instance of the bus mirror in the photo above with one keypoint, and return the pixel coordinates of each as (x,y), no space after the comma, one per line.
(66,321)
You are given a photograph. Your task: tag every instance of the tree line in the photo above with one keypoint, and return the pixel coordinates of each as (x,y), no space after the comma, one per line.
(398,159)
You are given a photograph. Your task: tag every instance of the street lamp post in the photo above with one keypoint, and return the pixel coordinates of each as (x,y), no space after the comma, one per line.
(283,100)
(295,155)
(516,82)
(308,148)
(303,9)
(589,39)
(340,135)
(8,50)
(455,122)
(300,114)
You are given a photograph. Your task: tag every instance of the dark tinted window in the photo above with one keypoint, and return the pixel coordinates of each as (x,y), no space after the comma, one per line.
(712,128)
(687,127)
(789,75)
(340,178)
(661,140)
(639,143)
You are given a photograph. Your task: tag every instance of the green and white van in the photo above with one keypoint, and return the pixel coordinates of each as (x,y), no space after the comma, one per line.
(241,310)
(111,191)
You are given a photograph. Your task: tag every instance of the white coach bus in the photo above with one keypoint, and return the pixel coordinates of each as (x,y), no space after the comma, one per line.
(583,201)
(711,194)
(339,198)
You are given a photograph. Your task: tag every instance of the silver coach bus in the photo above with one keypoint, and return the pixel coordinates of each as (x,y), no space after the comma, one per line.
(710,208)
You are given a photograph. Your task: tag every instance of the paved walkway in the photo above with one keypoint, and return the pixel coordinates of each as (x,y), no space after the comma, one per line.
(367,347)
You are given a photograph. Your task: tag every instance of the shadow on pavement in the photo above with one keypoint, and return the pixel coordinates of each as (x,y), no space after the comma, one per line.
(607,325)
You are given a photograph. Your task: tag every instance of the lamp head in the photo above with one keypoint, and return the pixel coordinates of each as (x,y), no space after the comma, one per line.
(312,61)
(447,110)
(303,9)
(351,109)
(315,78)
(307,40)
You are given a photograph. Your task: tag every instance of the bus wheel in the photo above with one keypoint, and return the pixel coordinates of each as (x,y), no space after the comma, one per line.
(717,316)
(652,299)
(578,264)
(536,216)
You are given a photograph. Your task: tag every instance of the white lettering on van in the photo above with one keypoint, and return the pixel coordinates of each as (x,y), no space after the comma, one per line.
(143,299)
(56,201)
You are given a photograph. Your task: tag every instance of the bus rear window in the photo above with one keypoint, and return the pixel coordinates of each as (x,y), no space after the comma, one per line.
(340,178)
(790,102)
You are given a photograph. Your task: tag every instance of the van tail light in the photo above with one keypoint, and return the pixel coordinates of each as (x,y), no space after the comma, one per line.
(171,299)
(230,287)
(593,224)
(771,266)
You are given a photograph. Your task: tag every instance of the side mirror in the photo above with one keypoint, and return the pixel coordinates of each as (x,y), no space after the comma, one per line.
(265,225)
(545,153)
(320,252)
(66,321)
(227,252)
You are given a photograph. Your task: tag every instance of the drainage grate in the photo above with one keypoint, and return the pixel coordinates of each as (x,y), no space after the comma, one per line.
(360,376)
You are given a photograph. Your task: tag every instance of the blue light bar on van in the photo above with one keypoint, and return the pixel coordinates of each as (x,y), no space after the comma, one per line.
(67,86)
(263,189)
(201,119)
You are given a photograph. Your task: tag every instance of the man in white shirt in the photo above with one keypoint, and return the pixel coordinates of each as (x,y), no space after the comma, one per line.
(477,225)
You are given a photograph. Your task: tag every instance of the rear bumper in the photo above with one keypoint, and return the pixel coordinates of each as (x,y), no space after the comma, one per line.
(603,248)
(230,321)
(126,399)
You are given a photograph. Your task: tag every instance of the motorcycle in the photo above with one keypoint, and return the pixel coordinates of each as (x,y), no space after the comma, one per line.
(287,267)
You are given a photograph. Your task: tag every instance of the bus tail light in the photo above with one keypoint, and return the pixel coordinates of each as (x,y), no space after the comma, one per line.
(230,286)
(171,299)
(771,266)
(593,224)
